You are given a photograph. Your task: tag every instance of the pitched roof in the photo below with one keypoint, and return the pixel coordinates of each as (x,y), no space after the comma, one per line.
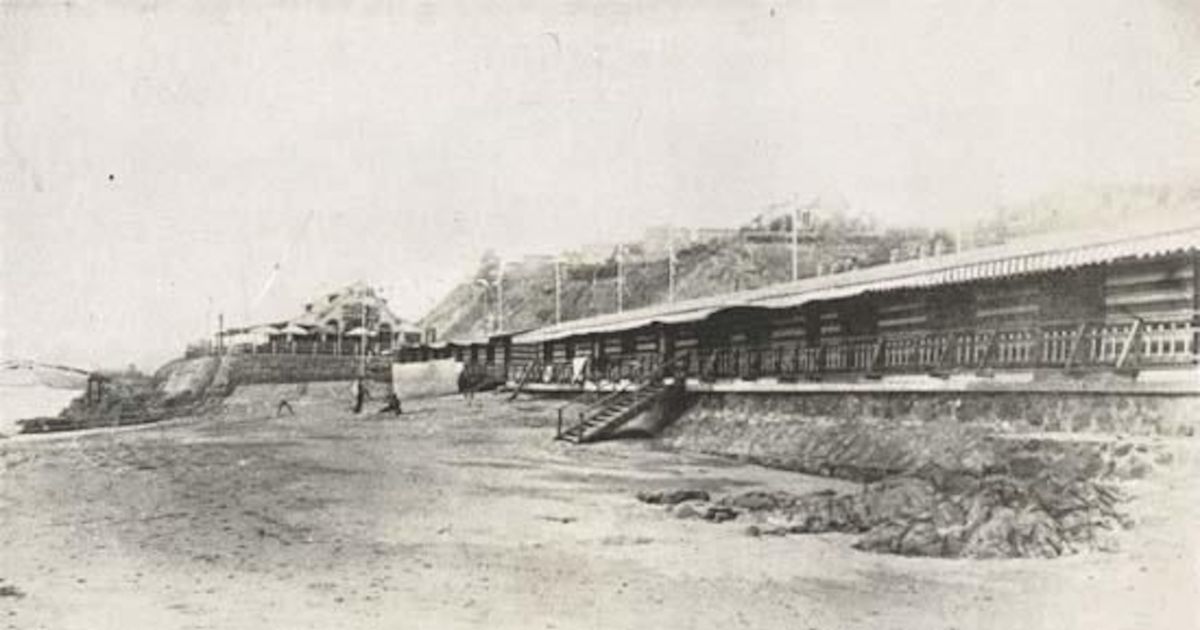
(1031,255)
(329,306)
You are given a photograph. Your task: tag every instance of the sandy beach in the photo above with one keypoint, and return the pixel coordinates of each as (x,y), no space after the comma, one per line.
(471,516)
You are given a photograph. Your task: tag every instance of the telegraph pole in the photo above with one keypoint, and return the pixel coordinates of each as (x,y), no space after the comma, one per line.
(362,345)
(557,290)
(499,297)
(620,278)
(795,242)
(670,263)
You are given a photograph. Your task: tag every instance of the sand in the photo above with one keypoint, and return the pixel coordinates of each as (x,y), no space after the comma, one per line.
(454,516)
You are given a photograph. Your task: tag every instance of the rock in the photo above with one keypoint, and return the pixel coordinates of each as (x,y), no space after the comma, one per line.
(757,501)
(686,510)
(719,514)
(993,537)
(921,539)
(948,513)
(1051,511)
(672,497)
(882,537)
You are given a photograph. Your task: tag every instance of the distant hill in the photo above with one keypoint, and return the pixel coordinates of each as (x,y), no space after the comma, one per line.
(752,256)
(33,374)
(758,253)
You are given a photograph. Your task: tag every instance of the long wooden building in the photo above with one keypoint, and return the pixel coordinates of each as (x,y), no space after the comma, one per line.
(1108,301)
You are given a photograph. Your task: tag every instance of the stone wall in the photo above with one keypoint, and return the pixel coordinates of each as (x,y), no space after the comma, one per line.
(873,434)
(218,376)
(285,368)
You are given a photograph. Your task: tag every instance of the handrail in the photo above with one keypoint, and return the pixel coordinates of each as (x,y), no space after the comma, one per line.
(657,374)
(530,368)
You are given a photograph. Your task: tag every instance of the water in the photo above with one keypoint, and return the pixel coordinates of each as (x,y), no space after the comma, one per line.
(30,401)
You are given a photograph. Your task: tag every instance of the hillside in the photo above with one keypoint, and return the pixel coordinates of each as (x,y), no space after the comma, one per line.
(743,259)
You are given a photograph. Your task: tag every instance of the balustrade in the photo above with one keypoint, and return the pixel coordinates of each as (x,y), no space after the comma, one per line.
(1074,345)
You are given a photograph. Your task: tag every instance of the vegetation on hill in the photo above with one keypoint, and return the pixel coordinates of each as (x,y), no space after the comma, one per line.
(749,258)
(759,254)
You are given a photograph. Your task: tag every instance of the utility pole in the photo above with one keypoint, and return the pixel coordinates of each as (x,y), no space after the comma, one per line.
(499,297)
(670,263)
(795,244)
(620,278)
(795,241)
(220,333)
(488,310)
(557,291)
(362,352)
(362,344)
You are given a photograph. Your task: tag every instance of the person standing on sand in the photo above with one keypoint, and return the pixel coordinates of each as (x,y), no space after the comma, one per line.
(466,384)
(360,394)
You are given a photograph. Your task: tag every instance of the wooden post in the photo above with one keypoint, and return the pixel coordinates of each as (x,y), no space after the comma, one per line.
(1131,341)
(665,348)
(876,367)
(1076,344)
(1195,305)
(993,344)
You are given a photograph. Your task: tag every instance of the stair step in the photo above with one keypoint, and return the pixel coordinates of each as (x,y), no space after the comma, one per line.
(615,409)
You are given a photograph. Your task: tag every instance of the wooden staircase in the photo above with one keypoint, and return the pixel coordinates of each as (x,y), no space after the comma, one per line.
(601,417)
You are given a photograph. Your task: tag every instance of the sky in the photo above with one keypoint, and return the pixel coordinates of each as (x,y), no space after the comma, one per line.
(163,162)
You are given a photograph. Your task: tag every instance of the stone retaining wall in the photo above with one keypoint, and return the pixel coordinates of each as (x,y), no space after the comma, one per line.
(283,368)
(873,434)
(218,376)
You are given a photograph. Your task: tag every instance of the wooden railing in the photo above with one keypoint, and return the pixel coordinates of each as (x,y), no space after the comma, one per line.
(296,347)
(1095,345)
(1067,346)
(584,405)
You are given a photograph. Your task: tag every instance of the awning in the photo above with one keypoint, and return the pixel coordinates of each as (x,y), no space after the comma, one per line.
(241,338)
(1032,255)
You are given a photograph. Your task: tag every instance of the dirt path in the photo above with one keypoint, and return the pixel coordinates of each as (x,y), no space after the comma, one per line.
(471,517)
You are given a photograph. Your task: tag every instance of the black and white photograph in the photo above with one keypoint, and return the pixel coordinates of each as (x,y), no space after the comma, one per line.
(599,314)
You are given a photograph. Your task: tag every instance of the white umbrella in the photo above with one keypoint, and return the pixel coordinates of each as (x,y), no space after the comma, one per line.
(267,331)
(360,332)
(293,329)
